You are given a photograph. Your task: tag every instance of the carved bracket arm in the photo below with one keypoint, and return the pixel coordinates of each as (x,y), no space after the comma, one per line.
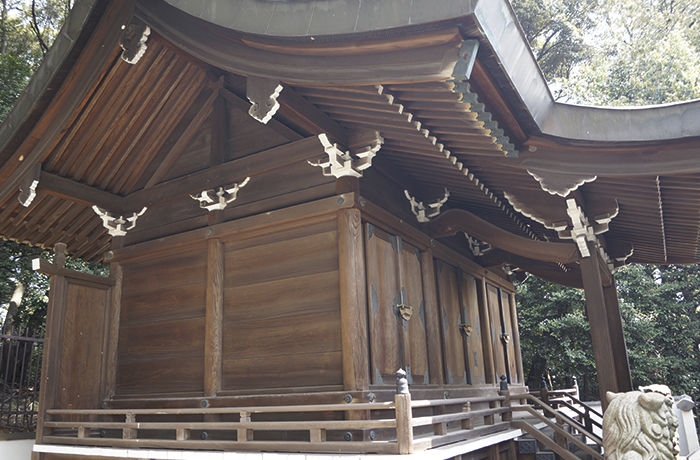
(28,185)
(419,209)
(218,199)
(347,163)
(133,40)
(118,224)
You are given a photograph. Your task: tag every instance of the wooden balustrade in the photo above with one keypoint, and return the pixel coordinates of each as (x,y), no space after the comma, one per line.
(259,428)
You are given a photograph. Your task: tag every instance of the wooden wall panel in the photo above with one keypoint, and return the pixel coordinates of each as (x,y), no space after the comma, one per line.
(496,331)
(80,371)
(195,156)
(282,310)
(450,315)
(247,135)
(470,305)
(161,336)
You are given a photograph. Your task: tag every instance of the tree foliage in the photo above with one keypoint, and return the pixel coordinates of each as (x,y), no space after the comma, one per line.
(27,30)
(660,307)
(617,52)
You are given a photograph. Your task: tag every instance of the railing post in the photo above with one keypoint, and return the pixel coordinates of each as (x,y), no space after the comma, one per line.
(404,425)
(544,393)
(467,423)
(245,434)
(129,433)
(506,416)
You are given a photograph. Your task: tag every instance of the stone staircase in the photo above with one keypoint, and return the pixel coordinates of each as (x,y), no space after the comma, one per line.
(529,448)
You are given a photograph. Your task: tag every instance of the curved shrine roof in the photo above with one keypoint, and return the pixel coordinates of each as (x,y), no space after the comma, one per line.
(507,152)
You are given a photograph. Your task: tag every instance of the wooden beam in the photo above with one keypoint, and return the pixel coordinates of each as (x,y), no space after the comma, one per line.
(227,173)
(617,337)
(458,220)
(71,190)
(598,320)
(353,301)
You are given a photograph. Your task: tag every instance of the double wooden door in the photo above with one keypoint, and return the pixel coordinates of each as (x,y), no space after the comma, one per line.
(396,308)
(460,324)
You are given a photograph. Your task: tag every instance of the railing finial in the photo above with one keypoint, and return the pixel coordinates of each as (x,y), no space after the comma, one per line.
(504,383)
(401,382)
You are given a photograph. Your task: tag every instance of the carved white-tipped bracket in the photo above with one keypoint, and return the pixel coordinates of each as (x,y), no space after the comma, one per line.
(28,185)
(118,224)
(478,248)
(216,200)
(349,163)
(263,93)
(419,208)
(133,40)
(582,229)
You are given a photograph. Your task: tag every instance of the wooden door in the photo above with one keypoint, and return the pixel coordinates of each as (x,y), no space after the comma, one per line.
(508,339)
(469,301)
(497,330)
(461,328)
(394,286)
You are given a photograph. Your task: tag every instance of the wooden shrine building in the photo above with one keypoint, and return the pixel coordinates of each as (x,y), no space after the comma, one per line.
(296,199)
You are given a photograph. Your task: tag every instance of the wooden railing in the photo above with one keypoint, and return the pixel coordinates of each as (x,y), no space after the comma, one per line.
(562,436)
(259,428)
(568,397)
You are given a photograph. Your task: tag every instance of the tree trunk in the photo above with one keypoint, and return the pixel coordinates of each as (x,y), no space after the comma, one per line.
(3,27)
(12,310)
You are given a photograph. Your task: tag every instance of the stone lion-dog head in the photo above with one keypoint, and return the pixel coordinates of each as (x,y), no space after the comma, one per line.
(640,425)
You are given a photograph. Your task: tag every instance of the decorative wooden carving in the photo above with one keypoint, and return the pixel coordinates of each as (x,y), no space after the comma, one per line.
(28,185)
(216,200)
(347,163)
(262,93)
(419,208)
(478,248)
(116,224)
(133,40)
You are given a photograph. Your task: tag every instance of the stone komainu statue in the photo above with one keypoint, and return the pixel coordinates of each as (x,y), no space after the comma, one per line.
(640,425)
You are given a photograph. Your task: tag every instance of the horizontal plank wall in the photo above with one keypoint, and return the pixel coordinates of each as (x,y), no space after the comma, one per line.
(282,310)
(161,337)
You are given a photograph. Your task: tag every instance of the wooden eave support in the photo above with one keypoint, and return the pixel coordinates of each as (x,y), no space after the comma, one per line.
(458,220)
(68,189)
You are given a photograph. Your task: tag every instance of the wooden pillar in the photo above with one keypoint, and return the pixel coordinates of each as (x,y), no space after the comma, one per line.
(598,320)
(486,339)
(213,343)
(116,272)
(51,360)
(432,324)
(617,338)
(353,300)
(516,339)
